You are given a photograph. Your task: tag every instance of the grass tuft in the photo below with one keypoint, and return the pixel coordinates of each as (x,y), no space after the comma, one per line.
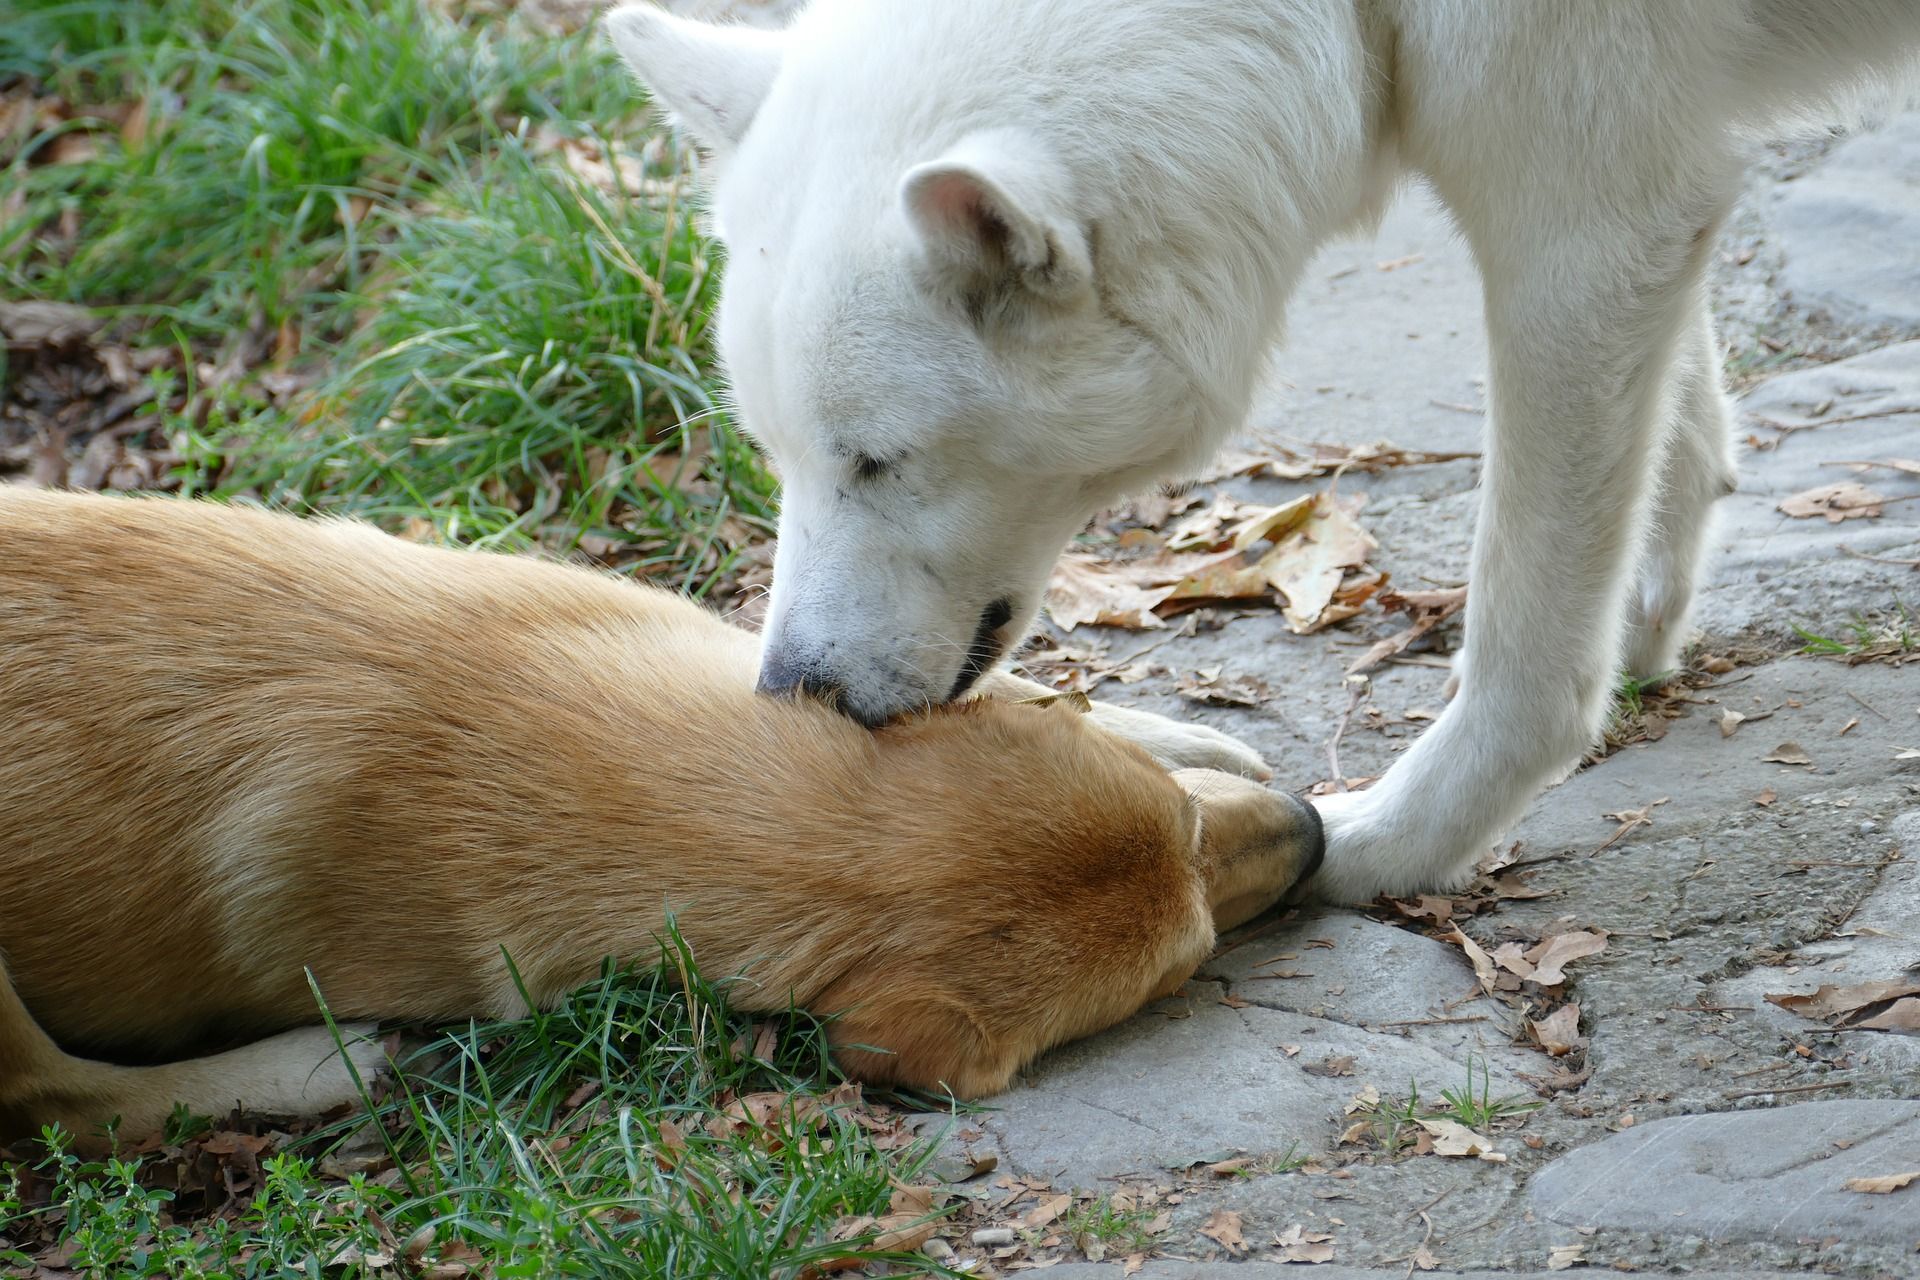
(639,1129)
(392,258)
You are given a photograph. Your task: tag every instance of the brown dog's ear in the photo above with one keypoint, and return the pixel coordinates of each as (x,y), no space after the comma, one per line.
(1254,845)
(923,1039)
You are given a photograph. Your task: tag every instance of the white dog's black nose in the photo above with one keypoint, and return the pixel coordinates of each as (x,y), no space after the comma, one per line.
(783,673)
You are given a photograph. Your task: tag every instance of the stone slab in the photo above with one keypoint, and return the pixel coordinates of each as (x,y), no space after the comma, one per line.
(1850,229)
(1194,1079)
(1772,1175)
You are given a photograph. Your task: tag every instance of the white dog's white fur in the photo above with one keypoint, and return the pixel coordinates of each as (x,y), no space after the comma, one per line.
(995,264)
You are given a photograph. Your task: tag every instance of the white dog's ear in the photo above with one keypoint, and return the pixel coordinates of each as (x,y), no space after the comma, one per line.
(997,209)
(711,78)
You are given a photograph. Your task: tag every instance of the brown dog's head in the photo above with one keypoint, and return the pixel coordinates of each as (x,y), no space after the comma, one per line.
(1052,880)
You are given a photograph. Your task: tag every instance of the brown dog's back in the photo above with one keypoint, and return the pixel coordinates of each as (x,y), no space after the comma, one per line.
(240,745)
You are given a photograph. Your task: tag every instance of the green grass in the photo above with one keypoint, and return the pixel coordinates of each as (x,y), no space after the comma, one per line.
(1891,634)
(1097,1226)
(463,237)
(603,1139)
(1629,696)
(1394,1122)
(1477,1109)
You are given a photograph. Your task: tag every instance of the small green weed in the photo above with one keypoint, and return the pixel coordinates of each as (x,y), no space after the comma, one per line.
(1477,1109)
(1098,1226)
(1394,1122)
(1890,635)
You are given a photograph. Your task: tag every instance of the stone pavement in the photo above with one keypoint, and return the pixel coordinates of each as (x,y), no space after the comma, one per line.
(1716,1129)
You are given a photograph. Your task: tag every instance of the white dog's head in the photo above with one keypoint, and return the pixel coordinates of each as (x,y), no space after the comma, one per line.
(917,333)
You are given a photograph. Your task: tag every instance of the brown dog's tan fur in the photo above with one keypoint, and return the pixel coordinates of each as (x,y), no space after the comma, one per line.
(236,745)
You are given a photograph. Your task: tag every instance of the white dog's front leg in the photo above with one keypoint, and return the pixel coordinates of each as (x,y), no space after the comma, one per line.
(1583,318)
(1697,470)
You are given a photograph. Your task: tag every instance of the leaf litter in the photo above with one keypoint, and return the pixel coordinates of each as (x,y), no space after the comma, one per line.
(1891,1005)
(1313,566)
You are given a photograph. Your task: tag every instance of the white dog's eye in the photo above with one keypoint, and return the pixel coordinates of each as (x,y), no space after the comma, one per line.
(868,467)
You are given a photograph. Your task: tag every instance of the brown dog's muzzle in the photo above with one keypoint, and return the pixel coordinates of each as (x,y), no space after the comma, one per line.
(1255,844)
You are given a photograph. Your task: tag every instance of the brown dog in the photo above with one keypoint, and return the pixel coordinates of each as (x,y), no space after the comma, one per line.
(235,746)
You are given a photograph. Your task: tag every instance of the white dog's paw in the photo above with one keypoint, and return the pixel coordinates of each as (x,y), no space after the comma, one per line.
(1181,744)
(1366,857)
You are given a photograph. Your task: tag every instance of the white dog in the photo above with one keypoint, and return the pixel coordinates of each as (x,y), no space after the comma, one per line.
(995,264)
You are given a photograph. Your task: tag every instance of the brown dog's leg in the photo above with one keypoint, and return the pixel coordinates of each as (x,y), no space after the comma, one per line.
(1255,844)
(296,1073)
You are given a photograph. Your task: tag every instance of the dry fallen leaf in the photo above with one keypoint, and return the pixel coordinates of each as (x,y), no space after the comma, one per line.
(1788,753)
(1451,1138)
(1563,1256)
(1848,500)
(1512,957)
(1901,1016)
(1550,956)
(1083,589)
(1297,1244)
(1891,1005)
(1483,968)
(1881,1186)
(1331,1065)
(1324,459)
(1049,1208)
(1559,1032)
(1428,609)
(1629,819)
(1223,1227)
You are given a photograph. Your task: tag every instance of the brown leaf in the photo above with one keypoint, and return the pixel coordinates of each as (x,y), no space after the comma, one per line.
(1297,1244)
(1049,1208)
(1882,1186)
(1427,906)
(1901,1015)
(1428,609)
(1788,753)
(1083,589)
(1483,968)
(1559,1032)
(1629,819)
(1214,690)
(1511,956)
(1765,798)
(1271,524)
(1550,956)
(1848,500)
(1879,1006)
(1331,1065)
(1224,1229)
(1451,1138)
(1307,566)
(1563,1256)
(1324,459)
